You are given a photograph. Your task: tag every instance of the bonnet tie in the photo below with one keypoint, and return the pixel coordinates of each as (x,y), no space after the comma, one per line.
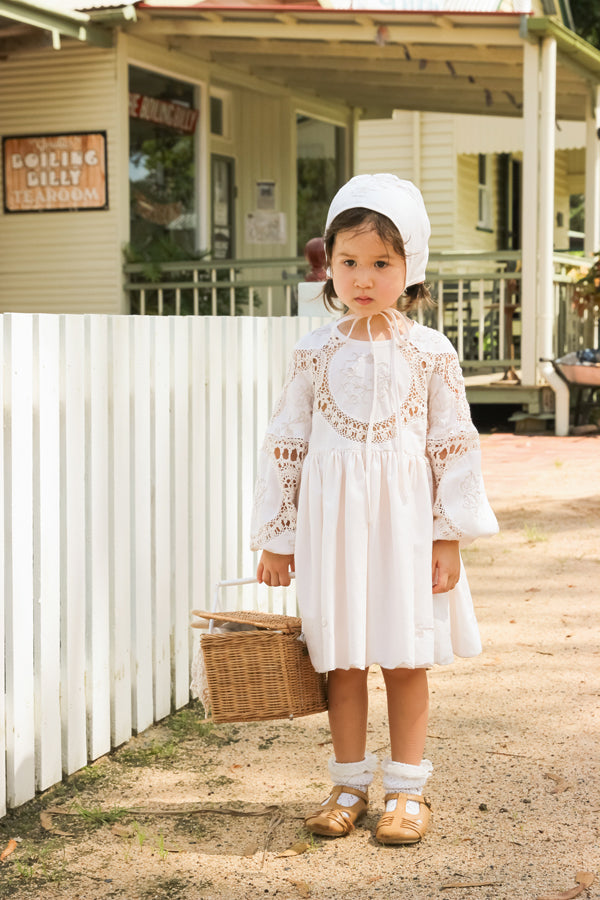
(392,319)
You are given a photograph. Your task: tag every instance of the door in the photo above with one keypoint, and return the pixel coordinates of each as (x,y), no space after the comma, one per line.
(223,207)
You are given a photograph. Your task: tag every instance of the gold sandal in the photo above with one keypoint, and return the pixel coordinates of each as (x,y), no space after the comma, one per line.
(401,827)
(334,820)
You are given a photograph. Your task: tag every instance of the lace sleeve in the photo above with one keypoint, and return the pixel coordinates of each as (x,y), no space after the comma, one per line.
(281,459)
(460,507)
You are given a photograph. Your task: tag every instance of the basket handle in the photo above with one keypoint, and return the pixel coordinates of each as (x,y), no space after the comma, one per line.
(230,583)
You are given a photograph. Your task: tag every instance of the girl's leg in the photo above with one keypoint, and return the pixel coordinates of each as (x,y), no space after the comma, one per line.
(351,768)
(348,708)
(406,816)
(408,712)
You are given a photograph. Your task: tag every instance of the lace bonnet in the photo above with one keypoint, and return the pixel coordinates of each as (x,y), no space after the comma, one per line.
(401,202)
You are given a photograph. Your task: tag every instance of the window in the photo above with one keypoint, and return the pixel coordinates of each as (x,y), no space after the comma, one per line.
(576,221)
(321,153)
(220,115)
(216,116)
(484,193)
(163,117)
(223,193)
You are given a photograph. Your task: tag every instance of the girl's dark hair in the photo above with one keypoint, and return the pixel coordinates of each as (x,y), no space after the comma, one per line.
(360,219)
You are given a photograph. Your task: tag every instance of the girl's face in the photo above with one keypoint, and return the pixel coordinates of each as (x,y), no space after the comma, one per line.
(368,275)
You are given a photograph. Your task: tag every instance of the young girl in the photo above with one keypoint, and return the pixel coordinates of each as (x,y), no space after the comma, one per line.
(369,481)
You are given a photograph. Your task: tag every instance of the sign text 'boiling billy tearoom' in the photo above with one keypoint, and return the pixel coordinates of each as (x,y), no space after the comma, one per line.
(55,172)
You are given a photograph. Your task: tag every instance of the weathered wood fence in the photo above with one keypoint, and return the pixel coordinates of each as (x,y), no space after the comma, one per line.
(128,460)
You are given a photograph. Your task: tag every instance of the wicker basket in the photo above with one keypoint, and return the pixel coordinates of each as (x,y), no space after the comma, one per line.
(259,674)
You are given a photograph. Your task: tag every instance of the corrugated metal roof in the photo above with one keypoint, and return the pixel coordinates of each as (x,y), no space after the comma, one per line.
(69,5)
(472,6)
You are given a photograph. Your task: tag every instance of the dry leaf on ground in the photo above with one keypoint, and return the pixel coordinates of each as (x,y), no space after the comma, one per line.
(123,830)
(583,879)
(10,848)
(47,823)
(250,849)
(295,850)
(560,783)
(302,887)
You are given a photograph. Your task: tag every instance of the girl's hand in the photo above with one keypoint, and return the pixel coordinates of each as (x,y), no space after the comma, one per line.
(445,566)
(274,569)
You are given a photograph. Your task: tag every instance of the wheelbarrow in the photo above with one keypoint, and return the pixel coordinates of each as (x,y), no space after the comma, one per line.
(580,370)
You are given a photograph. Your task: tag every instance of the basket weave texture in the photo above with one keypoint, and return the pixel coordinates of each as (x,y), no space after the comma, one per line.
(262,674)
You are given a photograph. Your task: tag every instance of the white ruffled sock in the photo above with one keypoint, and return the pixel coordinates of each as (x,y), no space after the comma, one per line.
(406,779)
(354,774)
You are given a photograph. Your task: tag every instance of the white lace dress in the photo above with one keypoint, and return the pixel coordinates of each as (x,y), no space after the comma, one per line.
(369,457)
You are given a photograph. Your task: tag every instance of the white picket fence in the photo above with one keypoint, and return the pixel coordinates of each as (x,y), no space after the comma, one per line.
(128,462)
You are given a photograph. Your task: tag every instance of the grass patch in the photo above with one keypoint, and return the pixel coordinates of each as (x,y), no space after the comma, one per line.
(534,534)
(34,869)
(151,755)
(266,743)
(89,777)
(220,781)
(174,888)
(95,816)
(189,723)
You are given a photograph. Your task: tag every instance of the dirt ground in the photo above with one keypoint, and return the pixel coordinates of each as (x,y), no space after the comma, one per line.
(190,811)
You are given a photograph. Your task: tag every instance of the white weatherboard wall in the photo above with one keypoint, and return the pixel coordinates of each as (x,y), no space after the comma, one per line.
(128,464)
(468,234)
(420,147)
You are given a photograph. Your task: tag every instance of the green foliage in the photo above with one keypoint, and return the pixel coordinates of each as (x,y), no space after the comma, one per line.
(577,212)
(586,16)
(317,183)
(169,161)
(162,185)
(586,295)
(159,249)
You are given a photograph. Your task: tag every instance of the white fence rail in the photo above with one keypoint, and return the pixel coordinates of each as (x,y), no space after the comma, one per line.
(128,460)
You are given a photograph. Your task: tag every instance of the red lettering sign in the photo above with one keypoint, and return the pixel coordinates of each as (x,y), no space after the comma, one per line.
(163,112)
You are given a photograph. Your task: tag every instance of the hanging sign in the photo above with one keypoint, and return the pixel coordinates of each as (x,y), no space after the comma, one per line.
(53,172)
(163,112)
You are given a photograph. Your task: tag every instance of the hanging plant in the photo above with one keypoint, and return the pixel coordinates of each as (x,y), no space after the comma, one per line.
(586,293)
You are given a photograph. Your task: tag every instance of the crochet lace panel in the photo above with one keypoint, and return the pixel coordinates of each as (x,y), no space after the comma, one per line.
(446,451)
(414,403)
(288,454)
(293,413)
(302,361)
(447,367)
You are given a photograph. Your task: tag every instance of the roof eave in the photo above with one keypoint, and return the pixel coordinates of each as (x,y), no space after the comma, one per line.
(62,23)
(570,44)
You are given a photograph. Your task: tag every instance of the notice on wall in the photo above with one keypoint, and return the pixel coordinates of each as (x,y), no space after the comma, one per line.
(265,195)
(52,172)
(264,227)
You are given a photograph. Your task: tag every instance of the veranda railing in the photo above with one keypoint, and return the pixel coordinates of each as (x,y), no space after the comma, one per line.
(478,297)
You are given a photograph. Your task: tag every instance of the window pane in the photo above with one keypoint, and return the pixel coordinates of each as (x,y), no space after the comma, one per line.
(321,171)
(162,162)
(482,169)
(216,115)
